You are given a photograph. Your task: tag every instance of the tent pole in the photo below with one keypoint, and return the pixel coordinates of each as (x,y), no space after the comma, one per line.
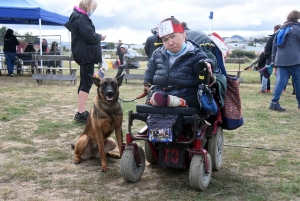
(60,45)
(41,49)
(69,35)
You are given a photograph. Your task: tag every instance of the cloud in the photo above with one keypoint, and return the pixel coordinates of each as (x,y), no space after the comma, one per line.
(132,20)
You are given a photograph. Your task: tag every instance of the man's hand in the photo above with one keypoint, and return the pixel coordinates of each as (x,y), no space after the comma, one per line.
(103,37)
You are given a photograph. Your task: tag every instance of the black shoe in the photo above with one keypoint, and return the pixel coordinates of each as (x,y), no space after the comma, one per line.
(276,107)
(81,117)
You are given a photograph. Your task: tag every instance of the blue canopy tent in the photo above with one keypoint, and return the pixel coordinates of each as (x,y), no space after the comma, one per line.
(29,12)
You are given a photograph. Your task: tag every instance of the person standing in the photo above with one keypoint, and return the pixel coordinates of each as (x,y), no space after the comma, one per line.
(286,57)
(10,44)
(45,51)
(267,54)
(54,51)
(152,43)
(44,47)
(119,53)
(86,50)
(29,49)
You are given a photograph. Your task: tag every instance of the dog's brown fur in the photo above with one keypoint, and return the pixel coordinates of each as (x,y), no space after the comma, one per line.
(105,117)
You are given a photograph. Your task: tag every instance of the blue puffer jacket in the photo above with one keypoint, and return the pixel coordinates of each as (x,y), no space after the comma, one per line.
(180,75)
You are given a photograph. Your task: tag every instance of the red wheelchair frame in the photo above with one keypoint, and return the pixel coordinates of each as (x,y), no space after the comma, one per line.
(202,151)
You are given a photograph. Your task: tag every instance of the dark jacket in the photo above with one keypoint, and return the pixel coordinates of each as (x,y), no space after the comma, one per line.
(44,48)
(29,48)
(119,52)
(261,61)
(149,45)
(54,52)
(268,49)
(85,41)
(288,54)
(180,75)
(10,41)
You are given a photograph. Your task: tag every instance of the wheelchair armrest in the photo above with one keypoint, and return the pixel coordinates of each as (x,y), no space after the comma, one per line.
(185,111)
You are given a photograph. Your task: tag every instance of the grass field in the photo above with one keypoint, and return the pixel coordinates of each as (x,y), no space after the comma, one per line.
(261,159)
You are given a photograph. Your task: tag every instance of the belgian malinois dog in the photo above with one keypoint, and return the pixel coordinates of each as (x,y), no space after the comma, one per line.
(105,117)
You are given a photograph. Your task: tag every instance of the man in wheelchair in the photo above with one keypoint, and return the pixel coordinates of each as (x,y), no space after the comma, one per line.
(176,70)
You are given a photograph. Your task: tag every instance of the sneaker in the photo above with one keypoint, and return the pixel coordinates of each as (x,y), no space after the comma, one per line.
(11,75)
(158,99)
(276,107)
(174,101)
(81,117)
(268,91)
(261,92)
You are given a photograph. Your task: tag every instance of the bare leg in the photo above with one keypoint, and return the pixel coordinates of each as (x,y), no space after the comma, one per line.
(82,98)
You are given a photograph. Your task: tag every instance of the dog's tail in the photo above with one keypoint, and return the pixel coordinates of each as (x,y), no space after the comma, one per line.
(73,146)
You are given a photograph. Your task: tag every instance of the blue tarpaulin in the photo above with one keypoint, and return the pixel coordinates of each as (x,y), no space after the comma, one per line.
(28,12)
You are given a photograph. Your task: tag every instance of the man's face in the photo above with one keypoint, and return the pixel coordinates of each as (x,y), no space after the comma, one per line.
(123,50)
(173,42)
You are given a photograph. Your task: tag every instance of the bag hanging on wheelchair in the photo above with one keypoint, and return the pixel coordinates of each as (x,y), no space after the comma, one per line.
(206,101)
(204,94)
(161,127)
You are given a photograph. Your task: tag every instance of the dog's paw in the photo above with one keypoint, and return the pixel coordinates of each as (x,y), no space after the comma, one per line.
(77,161)
(104,166)
(104,169)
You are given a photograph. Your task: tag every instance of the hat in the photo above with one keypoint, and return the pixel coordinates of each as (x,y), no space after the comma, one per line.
(266,71)
(154,30)
(168,27)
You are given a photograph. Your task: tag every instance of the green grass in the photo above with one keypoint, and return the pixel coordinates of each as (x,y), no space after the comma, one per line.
(261,158)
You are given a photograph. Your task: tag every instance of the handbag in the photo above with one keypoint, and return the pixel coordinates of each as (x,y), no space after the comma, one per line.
(207,102)
(232,117)
(266,71)
(232,111)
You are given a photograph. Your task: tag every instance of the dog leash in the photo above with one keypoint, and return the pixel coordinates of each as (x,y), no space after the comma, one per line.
(145,93)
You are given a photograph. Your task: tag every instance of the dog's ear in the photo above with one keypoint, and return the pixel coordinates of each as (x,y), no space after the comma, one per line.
(120,79)
(96,80)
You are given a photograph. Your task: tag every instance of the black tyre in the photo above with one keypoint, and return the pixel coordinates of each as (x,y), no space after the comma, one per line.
(129,169)
(216,149)
(199,179)
(149,154)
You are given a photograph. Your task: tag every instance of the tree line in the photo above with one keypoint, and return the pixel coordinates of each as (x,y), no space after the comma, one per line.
(27,37)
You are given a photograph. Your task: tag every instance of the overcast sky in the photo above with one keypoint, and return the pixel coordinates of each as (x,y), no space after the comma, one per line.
(132,20)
